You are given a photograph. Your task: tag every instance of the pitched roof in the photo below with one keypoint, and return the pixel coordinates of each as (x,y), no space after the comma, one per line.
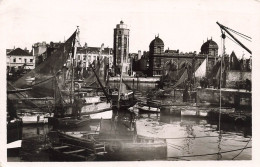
(19,52)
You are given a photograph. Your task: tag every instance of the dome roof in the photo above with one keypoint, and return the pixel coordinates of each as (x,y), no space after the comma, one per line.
(157,41)
(209,44)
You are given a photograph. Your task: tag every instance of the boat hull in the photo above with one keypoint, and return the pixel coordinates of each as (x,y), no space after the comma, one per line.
(31,118)
(124,151)
(14,138)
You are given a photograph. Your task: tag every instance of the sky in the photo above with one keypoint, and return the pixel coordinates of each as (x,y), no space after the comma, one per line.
(182,25)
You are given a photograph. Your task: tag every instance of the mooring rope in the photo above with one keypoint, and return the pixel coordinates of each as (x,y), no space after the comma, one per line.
(242,149)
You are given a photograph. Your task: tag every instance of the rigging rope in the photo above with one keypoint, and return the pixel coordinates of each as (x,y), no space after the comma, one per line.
(194,137)
(238,33)
(199,155)
(242,149)
(220,80)
(233,41)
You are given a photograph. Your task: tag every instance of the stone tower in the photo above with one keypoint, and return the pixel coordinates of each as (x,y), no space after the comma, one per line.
(156,48)
(121,47)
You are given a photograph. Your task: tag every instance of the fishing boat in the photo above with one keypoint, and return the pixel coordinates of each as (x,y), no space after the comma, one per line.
(34,117)
(143,148)
(84,139)
(14,137)
(69,122)
(14,126)
(69,152)
(188,112)
(95,107)
(115,146)
(126,99)
(145,108)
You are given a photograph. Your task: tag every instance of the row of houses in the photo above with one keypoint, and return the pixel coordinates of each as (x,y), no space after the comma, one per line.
(18,58)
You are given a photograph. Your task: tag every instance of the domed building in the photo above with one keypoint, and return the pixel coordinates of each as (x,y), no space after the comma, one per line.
(210,47)
(176,62)
(156,48)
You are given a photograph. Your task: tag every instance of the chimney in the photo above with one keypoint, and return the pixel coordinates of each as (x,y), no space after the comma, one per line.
(139,55)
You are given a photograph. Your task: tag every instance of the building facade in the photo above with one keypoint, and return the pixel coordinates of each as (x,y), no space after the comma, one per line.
(163,61)
(19,58)
(39,49)
(121,48)
(87,55)
(210,47)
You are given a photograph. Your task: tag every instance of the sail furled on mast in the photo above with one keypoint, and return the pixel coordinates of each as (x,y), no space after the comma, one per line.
(183,78)
(201,71)
(42,77)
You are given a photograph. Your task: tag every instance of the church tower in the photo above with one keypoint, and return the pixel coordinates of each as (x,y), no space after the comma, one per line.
(121,47)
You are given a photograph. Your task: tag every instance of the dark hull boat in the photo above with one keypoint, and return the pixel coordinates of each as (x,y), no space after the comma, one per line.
(14,137)
(127,100)
(113,146)
(147,149)
(143,108)
(68,152)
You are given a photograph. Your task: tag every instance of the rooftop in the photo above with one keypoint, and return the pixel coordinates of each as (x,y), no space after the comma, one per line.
(19,52)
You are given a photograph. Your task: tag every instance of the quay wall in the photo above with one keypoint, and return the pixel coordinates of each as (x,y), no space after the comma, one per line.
(230,98)
(236,76)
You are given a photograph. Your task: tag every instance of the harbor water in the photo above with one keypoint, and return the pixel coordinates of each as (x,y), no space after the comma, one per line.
(187,138)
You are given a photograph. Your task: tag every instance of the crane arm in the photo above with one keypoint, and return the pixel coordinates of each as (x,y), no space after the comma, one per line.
(243,46)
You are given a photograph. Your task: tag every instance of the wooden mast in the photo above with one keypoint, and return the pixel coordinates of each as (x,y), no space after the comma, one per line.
(120,87)
(72,57)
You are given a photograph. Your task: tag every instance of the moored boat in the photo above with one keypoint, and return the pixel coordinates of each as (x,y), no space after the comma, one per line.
(70,153)
(143,108)
(14,137)
(34,117)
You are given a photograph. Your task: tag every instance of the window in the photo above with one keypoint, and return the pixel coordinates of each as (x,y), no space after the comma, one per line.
(125,41)
(84,57)
(31,60)
(78,57)
(14,60)
(119,41)
(25,60)
(120,32)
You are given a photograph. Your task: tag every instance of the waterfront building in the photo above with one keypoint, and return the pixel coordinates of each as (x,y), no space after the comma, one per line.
(38,49)
(43,50)
(20,58)
(121,48)
(156,50)
(162,61)
(210,47)
(86,55)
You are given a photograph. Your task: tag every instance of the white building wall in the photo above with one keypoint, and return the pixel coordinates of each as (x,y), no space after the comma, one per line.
(90,57)
(19,61)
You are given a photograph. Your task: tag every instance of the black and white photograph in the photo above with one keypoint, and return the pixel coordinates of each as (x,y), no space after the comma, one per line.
(128,81)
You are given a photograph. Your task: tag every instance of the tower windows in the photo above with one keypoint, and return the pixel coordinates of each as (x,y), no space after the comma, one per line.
(119,40)
(125,41)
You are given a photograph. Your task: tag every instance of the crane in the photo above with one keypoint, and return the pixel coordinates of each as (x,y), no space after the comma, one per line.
(226,29)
